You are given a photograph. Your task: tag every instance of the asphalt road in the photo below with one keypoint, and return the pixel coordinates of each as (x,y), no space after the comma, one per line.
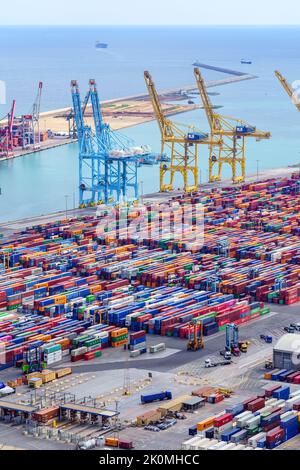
(281,316)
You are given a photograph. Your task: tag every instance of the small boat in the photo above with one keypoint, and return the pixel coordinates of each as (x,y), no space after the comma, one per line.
(191,102)
(246,61)
(101,45)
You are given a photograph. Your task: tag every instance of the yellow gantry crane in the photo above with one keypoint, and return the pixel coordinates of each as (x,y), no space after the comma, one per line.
(228,138)
(181,142)
(287,87)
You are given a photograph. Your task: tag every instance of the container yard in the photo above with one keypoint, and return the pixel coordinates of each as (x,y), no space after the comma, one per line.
(78,302)
(161,312)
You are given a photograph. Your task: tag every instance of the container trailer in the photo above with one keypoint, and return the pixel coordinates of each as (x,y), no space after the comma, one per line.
(167,395)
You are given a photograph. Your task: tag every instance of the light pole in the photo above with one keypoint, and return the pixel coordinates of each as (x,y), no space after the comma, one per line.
(66,198)
(74,203)
(257,165)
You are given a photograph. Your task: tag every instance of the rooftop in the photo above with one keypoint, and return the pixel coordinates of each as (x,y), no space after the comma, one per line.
(288,343)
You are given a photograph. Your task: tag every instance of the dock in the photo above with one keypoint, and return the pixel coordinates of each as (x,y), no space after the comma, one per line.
(128,111)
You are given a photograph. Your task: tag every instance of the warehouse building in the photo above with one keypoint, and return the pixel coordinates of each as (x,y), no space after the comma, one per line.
(193,404)
(286,352)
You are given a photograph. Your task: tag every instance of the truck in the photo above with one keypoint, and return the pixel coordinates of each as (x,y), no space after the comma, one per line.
(156,397)
(267,338)
(210,363)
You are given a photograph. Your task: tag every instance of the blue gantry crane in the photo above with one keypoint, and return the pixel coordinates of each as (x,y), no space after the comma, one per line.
(108,161)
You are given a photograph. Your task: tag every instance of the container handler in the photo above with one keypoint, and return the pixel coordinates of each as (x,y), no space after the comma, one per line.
(195,340)
(233,345)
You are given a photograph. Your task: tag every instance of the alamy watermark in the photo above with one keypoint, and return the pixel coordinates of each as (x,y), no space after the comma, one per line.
(173,221)
(295,346)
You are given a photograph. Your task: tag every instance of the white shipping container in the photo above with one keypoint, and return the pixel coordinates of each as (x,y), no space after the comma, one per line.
(296,393)
(196,445)
(242,415)
(221,429)
(218,446)
(252,441)
(271,402)
(266,409)
(208,444)
(252,422)
(289,403)
(280,404)
(242,422)
(186,444)
(135,353)
(289,414)
(229,446)
(157,347)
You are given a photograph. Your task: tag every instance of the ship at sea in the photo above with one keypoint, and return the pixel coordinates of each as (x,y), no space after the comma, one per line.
(246,61)
(101,45)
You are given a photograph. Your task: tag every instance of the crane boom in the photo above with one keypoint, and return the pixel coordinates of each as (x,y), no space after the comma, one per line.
(287,87)
(98,121)
(78,113)
(227,138)
(37,103)
(207,105)
(11,117)
(164,124)
(182,143)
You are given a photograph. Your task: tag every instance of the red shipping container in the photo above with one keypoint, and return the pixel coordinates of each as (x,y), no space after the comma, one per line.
(125,444)
(256,405)
(275,434)
(290,378)
(296,406)
(76,358)
(249,400)
(221,420)
(219,397)
(271,388)
(271,426)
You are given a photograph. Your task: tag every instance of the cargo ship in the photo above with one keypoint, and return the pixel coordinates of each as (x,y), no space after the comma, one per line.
(245,61)
(101,45)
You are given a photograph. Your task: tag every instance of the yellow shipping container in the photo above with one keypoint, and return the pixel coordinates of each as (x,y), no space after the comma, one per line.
(34,374)
(112,442)
(173,405)
(267,375)
(35,382)
(149,417)
(48,376)
(60,299)
(119,332)
(63,372)
(205,424)
(95,289)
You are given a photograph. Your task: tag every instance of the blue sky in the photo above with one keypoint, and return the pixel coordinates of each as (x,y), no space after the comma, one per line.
(153,12)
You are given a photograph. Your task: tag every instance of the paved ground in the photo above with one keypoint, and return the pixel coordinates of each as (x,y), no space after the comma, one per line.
(13,436)
(9,227)
(176,369)
(269,324)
